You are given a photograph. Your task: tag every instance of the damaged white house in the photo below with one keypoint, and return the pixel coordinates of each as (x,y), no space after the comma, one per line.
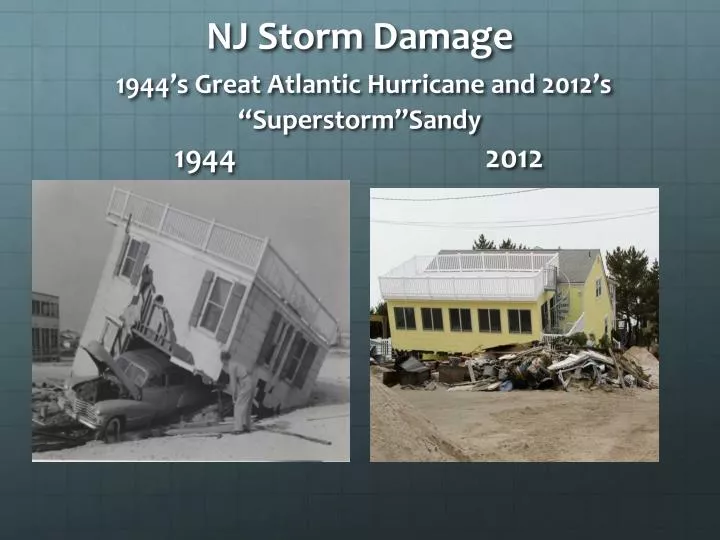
(193,288)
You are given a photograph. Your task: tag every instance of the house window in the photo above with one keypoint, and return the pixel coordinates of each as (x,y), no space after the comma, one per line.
(215,305)
(306,364)
(131,258)
(520,321)
(36,340)
(405,318)
(460,320)
(432,319)
(296,355)
(598,287)
(276,342)
(132,371)
(489,320)
(553,313)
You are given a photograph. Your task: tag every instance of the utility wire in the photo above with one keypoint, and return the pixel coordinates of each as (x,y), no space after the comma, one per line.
(525,226)
(461,197)
(534,220)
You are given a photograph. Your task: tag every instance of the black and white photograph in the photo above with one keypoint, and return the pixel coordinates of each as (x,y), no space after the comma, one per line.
(190,321)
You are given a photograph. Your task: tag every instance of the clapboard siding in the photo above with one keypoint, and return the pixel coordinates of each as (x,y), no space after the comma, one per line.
(248,339)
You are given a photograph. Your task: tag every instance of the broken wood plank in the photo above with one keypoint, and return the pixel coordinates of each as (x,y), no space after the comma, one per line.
(470,370)
(328,417)
(293,434)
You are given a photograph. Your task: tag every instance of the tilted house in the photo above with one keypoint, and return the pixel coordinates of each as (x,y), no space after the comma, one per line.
(462,301)
(194,288)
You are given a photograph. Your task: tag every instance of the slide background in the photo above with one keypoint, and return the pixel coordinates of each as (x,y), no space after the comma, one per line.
(61,118)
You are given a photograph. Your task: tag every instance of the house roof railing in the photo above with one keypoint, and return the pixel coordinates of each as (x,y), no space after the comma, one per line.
(479,276)
(484,261)
(199,233)
(229,245)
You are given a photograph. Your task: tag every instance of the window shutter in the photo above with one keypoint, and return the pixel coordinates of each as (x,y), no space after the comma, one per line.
(231,309)
(140,263)
(202,295)
(121,257)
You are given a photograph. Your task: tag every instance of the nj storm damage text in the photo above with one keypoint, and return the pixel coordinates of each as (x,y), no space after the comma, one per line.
(417,119)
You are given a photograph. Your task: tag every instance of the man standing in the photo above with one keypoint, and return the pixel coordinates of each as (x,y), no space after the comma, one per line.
(242,388)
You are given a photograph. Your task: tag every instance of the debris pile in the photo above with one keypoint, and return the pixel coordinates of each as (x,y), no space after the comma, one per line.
(557,366)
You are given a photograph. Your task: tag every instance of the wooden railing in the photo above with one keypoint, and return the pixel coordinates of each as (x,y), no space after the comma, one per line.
(231,245)
(205,235)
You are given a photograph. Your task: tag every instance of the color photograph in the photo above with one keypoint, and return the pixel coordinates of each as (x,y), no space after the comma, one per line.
(514,325)
(190,321)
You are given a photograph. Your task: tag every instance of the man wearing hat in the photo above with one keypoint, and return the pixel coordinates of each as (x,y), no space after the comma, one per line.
(242,387)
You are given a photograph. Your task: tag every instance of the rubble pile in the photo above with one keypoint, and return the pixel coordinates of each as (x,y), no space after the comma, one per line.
(557,366)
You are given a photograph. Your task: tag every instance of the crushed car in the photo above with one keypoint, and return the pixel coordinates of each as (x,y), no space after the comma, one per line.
(134,390)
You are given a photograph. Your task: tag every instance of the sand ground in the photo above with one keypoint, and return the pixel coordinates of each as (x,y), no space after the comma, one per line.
(622,425)
(327,418)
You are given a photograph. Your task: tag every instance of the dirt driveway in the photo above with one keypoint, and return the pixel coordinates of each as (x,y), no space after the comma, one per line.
(622,425)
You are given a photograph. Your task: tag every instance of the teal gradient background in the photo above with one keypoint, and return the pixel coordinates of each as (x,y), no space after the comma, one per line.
(61,118)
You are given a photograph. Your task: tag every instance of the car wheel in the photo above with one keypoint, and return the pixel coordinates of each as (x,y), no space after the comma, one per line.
(112,431)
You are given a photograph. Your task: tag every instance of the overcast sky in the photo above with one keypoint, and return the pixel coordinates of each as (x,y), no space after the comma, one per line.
(307,222)
(545,218)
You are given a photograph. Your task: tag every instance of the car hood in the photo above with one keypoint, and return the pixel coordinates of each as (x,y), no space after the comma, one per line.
(105,362)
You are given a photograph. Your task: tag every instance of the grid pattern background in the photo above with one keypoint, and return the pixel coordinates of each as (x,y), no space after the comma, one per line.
(61,118)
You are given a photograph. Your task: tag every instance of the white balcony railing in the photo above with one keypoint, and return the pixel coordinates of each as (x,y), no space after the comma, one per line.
(460,288)
(230,245)
(206,235)
(484,261)
(493,276)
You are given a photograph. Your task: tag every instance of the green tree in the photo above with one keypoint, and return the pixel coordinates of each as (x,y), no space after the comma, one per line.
(379,309)
(650,295)
(637,292)
(509,244)
(483,243)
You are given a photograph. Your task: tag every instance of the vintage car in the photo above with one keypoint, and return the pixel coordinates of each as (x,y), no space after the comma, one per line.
(133,390)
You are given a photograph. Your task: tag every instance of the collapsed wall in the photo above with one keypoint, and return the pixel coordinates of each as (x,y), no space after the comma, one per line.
(398,432)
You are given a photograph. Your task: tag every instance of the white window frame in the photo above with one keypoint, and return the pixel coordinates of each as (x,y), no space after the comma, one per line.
(207,301)
(280,336)
(291,378)
(598,287)
(126,257)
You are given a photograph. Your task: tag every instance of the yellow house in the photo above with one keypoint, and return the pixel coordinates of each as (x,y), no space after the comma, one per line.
(460,301)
